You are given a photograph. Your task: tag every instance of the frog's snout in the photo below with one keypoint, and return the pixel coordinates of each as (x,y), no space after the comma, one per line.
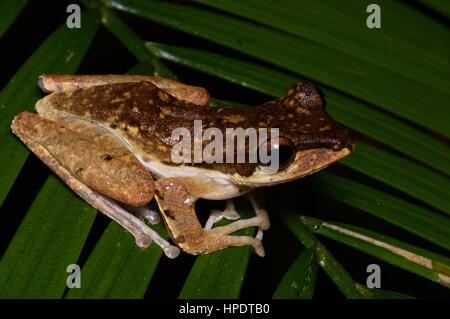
(343,141)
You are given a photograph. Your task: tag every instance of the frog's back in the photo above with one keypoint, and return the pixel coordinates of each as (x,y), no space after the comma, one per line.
(138,111)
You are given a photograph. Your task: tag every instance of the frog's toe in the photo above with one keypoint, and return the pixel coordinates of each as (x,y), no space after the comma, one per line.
(264,219)
(259,249)
(130,218)
(143,242)
(260,234)
(230,214)
(261,213)
(216,215)
(144,213)
(149,215)
(171,251)
(257,245)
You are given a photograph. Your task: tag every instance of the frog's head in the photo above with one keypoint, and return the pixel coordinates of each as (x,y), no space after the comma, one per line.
(309,139)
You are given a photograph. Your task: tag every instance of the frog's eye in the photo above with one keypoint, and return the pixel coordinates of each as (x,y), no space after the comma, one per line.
(286,151)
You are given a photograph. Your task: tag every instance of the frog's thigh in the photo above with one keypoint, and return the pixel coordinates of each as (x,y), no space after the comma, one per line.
(28,127)
(57,83)
(176,199)
(91,155)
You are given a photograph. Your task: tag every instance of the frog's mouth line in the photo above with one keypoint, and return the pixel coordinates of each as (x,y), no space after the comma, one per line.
(305,163)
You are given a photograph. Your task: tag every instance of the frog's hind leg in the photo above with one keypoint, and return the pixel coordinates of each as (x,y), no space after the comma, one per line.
(216,215)
(142,234)
(58,83)
(47,140)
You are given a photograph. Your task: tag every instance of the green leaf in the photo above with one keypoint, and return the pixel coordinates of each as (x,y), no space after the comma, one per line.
(343,30)
(352,113)
(420,221)
(125,35)
(300,279)
(10,9)
(325,259)
(404,97)
(382,127)
(117,268)
(219,274)
(48,240)
(133,43)
(61,52)
(56,226)
(405,175)
(376,293)
(416,260)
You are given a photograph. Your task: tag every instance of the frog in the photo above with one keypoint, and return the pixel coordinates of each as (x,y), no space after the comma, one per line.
(108,137)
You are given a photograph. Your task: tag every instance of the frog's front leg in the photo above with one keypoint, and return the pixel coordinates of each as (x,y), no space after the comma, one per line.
(257,204)
(93,165)
(176,198)
(228,213)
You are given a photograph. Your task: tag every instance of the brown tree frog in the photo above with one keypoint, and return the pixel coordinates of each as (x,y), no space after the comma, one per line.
(108,137)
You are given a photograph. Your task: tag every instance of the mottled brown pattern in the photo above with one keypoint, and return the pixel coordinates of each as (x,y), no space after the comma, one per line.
(148,115)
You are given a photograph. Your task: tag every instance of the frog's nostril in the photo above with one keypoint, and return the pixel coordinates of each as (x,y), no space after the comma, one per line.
(346,143)
(350,146)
